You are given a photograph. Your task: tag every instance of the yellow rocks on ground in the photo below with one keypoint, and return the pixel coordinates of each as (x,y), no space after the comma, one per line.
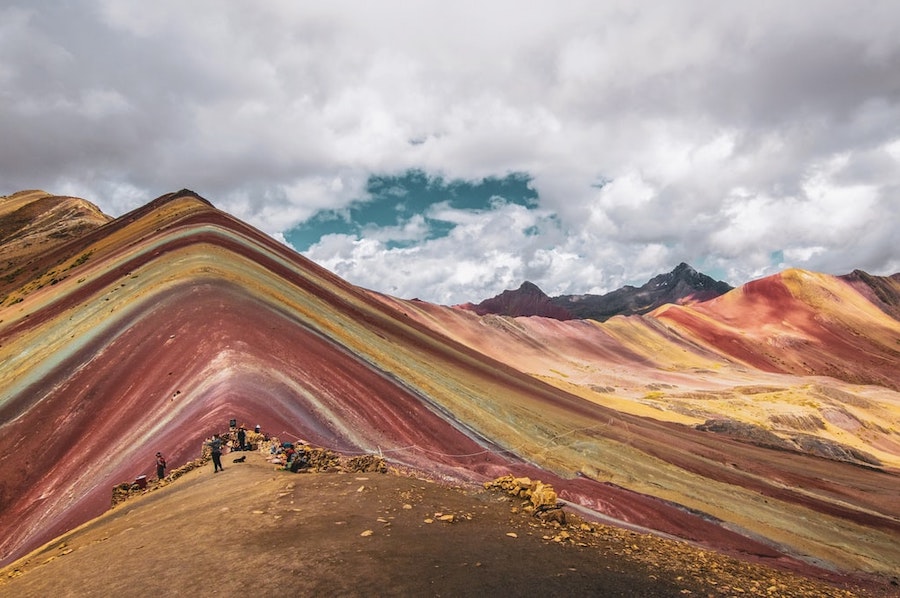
(543,495)
(514,486)
(535,491)
(541,499)
(445,517)
(727,575)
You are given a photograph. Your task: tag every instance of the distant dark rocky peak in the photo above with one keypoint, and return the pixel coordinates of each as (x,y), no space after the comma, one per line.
(883,291)
(529,288)
(682,285)
(527,300)
(686,277)
(682,273)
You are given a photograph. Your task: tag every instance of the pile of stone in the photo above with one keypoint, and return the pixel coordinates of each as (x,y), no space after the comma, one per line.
(324,460)
(180,471)
(320,459)
(122,492)
(125,490)
(539,499)
(365,464)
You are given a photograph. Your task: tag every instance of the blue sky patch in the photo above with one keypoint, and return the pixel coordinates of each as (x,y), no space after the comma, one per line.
(393,203)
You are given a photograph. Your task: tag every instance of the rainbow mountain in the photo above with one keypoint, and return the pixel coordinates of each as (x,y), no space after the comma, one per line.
(763,423)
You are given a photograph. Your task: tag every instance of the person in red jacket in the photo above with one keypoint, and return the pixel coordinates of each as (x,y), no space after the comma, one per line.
(160,466)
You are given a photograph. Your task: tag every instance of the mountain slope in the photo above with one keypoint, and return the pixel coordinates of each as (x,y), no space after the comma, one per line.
(33,223)
(798,322)
(883,291)
(182,317)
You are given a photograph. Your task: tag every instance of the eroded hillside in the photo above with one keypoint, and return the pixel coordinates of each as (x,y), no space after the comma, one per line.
(182,317)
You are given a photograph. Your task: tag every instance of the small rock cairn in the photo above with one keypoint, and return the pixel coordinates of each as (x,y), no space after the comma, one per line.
(539,499)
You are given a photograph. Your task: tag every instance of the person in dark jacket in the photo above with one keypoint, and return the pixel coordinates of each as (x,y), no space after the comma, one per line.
(242,438)
(160,466)
(216,445)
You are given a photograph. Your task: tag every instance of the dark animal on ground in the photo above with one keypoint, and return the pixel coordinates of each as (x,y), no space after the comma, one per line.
(240,459)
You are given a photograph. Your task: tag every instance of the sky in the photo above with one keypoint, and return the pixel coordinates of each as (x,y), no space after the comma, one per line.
(448,151)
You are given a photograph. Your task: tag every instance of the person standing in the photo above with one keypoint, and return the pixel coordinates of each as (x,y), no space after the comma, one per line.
(160,466)
(216,445)
(242,437)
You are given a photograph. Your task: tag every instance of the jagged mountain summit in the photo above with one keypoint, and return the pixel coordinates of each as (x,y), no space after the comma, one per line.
(152,330)
(527,300)
(680,286)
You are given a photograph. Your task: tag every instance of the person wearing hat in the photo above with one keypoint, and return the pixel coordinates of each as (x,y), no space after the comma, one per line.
(160,466)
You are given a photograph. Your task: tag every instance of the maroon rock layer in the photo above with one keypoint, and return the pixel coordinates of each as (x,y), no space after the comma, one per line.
(166,323)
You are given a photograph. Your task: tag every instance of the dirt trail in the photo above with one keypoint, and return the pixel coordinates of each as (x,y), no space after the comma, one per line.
(252,529)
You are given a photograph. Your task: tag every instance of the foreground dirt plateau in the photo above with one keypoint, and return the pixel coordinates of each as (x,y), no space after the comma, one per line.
(255,529)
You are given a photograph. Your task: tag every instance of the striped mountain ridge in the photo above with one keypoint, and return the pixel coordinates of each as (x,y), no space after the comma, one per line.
(148,331)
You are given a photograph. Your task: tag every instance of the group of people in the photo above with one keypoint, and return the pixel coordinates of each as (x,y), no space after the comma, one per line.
(239,442)
(217,445)
(293,458)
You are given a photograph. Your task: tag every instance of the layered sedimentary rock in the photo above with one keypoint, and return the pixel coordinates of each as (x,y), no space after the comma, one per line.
(162,325)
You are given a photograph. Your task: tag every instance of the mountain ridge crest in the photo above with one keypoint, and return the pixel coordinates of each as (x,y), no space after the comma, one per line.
(682,285)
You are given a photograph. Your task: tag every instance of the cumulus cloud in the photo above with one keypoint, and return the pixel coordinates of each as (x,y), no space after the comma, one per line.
(741,138)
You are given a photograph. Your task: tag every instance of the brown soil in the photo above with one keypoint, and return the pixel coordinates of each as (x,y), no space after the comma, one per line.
(253,529)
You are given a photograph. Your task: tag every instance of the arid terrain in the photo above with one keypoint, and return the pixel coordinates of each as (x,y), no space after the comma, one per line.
(254,529)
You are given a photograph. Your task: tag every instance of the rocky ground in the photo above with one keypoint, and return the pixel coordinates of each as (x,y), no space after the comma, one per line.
(255,529)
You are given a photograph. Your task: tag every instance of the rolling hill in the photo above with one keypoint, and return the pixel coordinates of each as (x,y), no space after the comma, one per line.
(762,423)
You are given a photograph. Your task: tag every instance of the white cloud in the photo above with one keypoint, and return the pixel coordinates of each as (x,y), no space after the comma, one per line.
(725,132)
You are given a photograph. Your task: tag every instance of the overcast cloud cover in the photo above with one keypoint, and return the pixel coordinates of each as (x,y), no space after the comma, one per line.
(741,137)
